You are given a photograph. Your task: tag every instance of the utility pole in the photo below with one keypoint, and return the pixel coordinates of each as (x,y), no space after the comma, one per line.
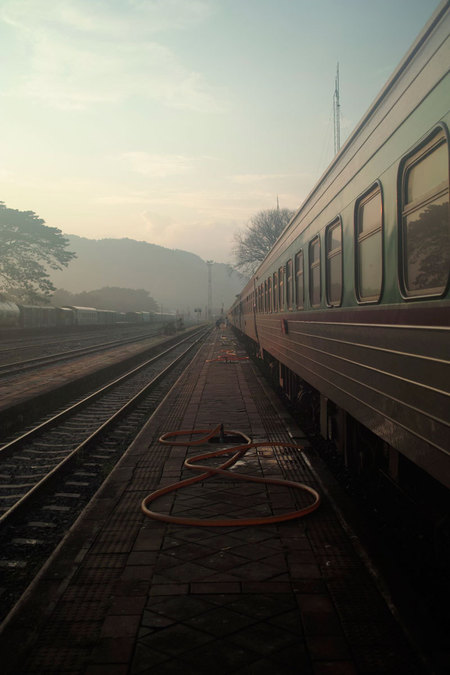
(337,114)
(210,264)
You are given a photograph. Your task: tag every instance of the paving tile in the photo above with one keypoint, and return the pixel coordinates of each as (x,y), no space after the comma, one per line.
(142,558)
(120,626)
(289,621)
(187,552)
(290,660)
(263,606)
(254,571)
(169,589)
(153,621)
(180,608)
(190,571)
(215,587)
(107,669)
(328,647)
(113,650)
(220,657)
(309,586)
(145,659)
(137,572)
(130,587)
(264,638)
(176,639)
(220,621)
(254,551)
(334,668)
(305,571)
(222,560)
(127,605)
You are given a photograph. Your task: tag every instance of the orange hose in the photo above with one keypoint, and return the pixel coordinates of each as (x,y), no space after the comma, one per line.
(238,452)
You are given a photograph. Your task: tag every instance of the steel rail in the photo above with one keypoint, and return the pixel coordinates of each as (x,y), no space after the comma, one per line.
(42,485)
(28,364)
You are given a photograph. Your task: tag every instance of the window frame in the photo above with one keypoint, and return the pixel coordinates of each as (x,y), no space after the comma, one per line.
(311,269)
(364,198)
(281,288)
(299,255)
(329,255)
(289,284)
(438,136)
(275,291)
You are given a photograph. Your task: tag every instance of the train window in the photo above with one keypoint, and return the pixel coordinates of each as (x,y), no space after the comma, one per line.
(281,288)
(314,272)
(299,284)
(265,297)
(275,291)
(369,246)
(289,286)
(425,233)
(333,240)
(269,288)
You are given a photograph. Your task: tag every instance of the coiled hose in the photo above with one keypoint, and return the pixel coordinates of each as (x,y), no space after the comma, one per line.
(207,472)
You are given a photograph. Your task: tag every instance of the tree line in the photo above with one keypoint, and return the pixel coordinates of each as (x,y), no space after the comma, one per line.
(109,297)
(29,249)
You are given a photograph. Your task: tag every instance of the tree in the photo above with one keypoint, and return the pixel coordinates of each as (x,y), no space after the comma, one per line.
(28,248)
(109,297)
(255,242)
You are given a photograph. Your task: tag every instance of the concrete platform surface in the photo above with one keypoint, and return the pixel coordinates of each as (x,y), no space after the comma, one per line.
(128,595)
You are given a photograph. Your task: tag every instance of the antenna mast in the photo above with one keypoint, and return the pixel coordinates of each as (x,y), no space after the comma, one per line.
(337,114)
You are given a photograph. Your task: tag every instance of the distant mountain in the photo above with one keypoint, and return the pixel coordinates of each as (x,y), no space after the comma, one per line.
(177,280)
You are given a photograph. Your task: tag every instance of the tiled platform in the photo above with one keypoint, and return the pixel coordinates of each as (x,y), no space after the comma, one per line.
(130,595)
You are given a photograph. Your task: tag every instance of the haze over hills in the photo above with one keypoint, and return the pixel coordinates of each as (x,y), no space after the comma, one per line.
(177,280)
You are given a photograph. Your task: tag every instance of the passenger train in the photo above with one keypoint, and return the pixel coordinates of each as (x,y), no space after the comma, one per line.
(351,306)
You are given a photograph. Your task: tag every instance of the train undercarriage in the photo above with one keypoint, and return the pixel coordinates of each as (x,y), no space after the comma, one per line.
(409,506)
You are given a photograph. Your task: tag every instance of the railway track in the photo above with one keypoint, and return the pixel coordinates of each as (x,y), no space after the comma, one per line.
(16,367)
(49,473)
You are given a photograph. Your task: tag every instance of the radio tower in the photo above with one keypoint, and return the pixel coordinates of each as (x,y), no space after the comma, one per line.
(337,114)
(209,310)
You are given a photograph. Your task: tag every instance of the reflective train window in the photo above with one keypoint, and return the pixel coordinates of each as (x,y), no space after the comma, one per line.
(275,291)
(425,237)
(269,288)
(266,301)
(333,244)
(281,288)
(299,284)
(289,286)
(314,272)
(369,246)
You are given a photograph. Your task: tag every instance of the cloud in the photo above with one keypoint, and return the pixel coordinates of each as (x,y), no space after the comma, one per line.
(257,178)
(158,166)
(132,18)
(82,53)
(156,222)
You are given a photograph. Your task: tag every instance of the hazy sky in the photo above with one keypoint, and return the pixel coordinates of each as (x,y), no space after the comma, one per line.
(173,121)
